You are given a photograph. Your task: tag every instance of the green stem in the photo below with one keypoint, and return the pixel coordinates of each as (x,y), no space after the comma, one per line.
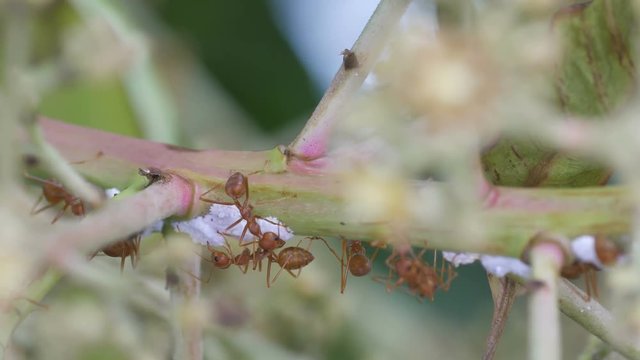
(24,305)
(595,319)
(544,317)
(312,141)
(314,205)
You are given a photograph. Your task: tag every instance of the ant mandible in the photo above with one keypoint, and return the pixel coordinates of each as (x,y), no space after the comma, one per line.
(54,193)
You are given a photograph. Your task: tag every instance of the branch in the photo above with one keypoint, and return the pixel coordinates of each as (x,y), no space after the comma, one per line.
(119,219)
(544,320)
(312,141)
(595,319)
(313,205)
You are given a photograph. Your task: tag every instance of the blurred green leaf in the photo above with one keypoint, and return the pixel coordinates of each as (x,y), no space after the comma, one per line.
(101,105)
(594,76)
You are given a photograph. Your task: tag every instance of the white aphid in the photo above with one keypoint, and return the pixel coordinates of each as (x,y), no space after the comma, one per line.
(111,192)
(495,265)
(503,265)
(208,228)
(584,249)
(463,258)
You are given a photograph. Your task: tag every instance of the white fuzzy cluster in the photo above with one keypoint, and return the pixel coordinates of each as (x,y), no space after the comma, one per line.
(208,229)
(584,249)
(496,265)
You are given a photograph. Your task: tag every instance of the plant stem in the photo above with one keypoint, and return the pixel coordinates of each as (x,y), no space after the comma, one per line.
(187,329)
(312,141)
(119,219)
(544,319)
(595,319)
(13,96)
(313,205)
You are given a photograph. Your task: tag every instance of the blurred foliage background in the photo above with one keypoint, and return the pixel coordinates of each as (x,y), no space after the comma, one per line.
(228,74)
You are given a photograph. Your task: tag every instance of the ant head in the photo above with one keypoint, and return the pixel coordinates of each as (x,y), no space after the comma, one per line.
(356,247)
(359,265)
(606,250)
(269,241)
(77,208)
(403,266)
(220,260)
(236,186)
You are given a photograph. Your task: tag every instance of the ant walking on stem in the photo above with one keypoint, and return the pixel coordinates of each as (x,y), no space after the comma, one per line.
(358,264)
(236,187)
(607,254)
(129,247)
(294,258)
(421,278)
(55,193)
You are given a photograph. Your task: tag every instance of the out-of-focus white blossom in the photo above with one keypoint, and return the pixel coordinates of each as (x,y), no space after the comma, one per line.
(208,229)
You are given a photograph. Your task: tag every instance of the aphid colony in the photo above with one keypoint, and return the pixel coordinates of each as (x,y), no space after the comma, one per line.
(421,278)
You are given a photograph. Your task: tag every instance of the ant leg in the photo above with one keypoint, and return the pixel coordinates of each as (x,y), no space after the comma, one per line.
(375,254)
(269,272)
(327,244)
(343,273)
(594,283)
(60,213)
(33,209)
(202,196)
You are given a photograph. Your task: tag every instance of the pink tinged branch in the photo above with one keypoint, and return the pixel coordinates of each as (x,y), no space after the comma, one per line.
(120,219)
(312,141)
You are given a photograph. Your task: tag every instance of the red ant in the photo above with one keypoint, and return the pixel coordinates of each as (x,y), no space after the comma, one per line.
(421,278)
(236,187)
(224,259)
(129,247)
(294,258)
(358,264)
(54,193)
(606,251)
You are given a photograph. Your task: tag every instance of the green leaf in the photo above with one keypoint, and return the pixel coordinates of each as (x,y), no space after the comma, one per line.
(594,77)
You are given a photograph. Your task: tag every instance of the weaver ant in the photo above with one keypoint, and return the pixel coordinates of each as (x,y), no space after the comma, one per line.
(54,193)
(294,258)
(421,278)
(358,264)
(129,247)
(237,186)
(607,253)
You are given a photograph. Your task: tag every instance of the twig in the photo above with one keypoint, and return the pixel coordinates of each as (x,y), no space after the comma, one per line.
(311,204)
(312,141)
(187,330)
(544,319)
(118,219)
(595,319)
(13,96)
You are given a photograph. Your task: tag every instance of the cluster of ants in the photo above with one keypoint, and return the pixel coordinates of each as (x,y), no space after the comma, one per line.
(421,278)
